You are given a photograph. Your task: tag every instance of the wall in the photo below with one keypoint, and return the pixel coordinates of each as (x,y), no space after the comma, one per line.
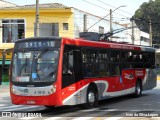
(137,35)
(46,16)
(91,19)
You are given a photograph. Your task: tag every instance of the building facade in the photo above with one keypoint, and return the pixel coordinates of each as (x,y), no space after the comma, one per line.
(135,35)
(4,4)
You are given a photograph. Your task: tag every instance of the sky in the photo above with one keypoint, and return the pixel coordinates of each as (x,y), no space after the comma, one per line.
(96,7)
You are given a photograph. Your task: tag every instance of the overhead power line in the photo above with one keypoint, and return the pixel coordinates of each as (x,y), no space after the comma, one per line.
(103,8)
(113,6)
(95,5)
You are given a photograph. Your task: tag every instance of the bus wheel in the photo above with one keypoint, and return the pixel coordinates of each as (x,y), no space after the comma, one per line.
(138,89)
(92,98)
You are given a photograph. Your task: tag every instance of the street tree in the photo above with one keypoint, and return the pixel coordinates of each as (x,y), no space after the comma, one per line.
(149,12)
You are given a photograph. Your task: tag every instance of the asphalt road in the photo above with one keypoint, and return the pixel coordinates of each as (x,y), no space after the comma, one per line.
(121,108)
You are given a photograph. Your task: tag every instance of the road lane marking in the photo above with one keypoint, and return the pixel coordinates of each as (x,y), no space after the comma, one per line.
(5,94)
(2,105)
(54,118)
(135,110)
(13,106)
(114,118)
(16,109)
(93,109)
(83,118)
(27,118)
(109,110)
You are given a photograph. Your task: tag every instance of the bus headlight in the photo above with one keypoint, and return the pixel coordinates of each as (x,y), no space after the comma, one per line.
(53,90)
(13,90)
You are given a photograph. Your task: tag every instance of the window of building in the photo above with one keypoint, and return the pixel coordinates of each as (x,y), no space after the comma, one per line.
(101,30)
(65,26)
(144,39)
(13,29)
(48,29)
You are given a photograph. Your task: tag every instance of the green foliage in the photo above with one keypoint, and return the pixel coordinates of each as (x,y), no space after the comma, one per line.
(146,12)
(5,78)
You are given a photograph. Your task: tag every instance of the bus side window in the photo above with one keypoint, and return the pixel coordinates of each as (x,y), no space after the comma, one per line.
(77,64)
(152,59)
(115,62)
(126,59)
(104,63)
(90,64)
(136,58)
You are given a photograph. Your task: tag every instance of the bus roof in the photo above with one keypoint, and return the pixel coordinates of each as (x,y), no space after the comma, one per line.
(107,44)
(90,43)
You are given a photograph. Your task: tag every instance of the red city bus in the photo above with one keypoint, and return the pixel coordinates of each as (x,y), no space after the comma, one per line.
(54,71)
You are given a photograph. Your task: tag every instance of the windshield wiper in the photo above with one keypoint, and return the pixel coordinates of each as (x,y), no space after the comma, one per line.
(40,55)
(24,65)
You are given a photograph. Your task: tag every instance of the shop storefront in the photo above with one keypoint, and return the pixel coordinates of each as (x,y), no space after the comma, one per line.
(4,69)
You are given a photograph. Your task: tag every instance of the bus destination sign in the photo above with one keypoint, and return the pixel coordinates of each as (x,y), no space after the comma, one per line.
(37,44)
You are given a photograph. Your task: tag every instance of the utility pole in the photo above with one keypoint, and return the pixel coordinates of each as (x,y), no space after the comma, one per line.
(150,32)
(105,16)
(132,20)
(111,23)
(36,29)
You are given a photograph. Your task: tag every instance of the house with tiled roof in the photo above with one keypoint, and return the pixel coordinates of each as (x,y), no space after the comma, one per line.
(3,4)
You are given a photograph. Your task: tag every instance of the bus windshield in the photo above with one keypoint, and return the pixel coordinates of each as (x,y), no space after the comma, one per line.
(35,66)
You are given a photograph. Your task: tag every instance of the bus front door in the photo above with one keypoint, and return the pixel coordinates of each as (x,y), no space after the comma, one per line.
(71,77)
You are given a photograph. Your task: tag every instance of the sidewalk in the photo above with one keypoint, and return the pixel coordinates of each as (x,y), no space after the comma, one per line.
(4,88)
